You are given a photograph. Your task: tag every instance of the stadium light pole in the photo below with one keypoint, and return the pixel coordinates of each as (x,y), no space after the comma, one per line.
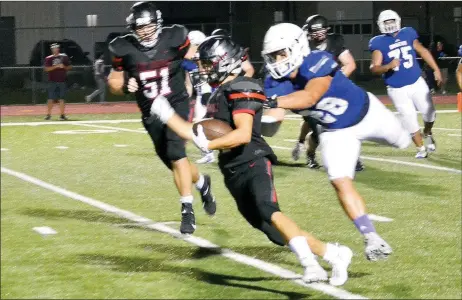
(92,21)
(457,20)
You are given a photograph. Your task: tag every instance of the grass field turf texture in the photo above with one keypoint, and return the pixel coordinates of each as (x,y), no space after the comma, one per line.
(96,254)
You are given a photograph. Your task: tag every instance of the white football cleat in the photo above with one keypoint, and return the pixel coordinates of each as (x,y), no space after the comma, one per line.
(299,148)
(314,272)
(430,143)
(422,153)
(208,158)
(376,247)
(339,257)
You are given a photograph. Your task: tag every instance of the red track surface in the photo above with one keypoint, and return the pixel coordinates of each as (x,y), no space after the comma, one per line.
(131,107)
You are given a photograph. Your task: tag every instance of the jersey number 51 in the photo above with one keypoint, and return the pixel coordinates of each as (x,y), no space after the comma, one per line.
(404,52)
(150,83)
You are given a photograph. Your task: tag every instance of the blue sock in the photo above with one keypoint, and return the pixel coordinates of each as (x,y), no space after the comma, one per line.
(364,225)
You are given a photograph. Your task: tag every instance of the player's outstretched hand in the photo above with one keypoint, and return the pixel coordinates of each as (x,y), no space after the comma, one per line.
(438,77)
(200,140)
(271,102)
(394,64)
(132,85)
(162,109)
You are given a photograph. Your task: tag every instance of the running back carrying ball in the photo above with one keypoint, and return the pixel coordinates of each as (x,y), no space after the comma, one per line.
(213,128)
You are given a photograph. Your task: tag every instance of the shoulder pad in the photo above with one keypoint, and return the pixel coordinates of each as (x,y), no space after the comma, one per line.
(121,45)
(63,54)
(175,33)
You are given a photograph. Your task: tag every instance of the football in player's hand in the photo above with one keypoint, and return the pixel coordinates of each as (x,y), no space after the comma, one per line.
(213,128)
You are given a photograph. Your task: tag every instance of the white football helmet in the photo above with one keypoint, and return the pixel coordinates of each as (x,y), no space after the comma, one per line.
(196,37)
(285,37)
(389,27)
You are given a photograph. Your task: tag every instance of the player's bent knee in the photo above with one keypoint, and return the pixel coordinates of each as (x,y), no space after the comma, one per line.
(429,116)
(272,234)
(175,151)
(404,141)
(267,209)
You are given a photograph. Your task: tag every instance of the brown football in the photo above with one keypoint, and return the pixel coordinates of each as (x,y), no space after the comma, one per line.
(213,128)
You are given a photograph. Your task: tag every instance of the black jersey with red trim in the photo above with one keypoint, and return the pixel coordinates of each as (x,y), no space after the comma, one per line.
(158,70)
(241,95)
(334,44)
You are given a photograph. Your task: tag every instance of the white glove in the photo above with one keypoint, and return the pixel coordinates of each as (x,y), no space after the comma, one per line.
(200,140)
(161,108)
(132,85)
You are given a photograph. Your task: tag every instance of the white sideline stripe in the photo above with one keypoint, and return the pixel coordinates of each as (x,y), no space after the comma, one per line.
(379,218)
(62,147)
(110,127)
(71,122)
(451,134)
(4,149)
(244,259)
(395,162)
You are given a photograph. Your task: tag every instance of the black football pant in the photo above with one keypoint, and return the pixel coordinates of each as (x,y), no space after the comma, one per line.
(251,185)
(168,145)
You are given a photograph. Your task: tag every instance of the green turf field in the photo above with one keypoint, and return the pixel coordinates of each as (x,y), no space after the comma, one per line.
(97,254)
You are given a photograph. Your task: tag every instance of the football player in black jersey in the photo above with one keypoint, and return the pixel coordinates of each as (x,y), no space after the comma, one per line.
(247,67)
(317,29)
(246,159)
(148,63)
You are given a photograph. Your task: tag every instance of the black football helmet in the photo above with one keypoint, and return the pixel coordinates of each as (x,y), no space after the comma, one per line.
(316,28)
(145,21)
(220,31)
(219,56)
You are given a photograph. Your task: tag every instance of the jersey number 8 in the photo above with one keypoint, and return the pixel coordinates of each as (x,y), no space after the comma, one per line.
(408,63)
(150,83)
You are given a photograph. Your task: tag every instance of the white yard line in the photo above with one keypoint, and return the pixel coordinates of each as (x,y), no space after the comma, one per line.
(379,218)
(200,242)
(451,134)
(110,127)
(395,162)
(44,230)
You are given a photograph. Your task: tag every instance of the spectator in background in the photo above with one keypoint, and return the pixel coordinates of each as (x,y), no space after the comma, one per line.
(56,65)
(429,76)
(459,74)
(459,52)
(442,64)
(100,78)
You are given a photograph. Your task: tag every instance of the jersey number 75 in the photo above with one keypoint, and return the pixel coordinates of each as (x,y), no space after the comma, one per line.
(404,53)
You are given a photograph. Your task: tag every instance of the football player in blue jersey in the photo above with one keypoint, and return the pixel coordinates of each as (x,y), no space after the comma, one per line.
(195,83)
(311,84)
(394,56)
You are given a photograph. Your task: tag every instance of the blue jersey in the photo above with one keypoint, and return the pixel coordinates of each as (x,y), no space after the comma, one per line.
(400,47)
(343,105)
(190,66)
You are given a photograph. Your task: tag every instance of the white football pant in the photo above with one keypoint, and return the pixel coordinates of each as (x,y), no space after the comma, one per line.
(340,148)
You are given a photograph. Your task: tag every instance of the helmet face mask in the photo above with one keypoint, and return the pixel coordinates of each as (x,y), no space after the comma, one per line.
(316,28)
(146,23)
(284,48)
(389,22)
(219,57)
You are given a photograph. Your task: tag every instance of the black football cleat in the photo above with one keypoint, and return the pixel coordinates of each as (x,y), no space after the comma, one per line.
(63,118)
(48,117)
(359,166)
(188,221)
(208,200)
(311,162)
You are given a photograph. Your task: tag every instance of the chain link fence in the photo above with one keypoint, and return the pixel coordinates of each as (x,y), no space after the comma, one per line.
(28,85)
